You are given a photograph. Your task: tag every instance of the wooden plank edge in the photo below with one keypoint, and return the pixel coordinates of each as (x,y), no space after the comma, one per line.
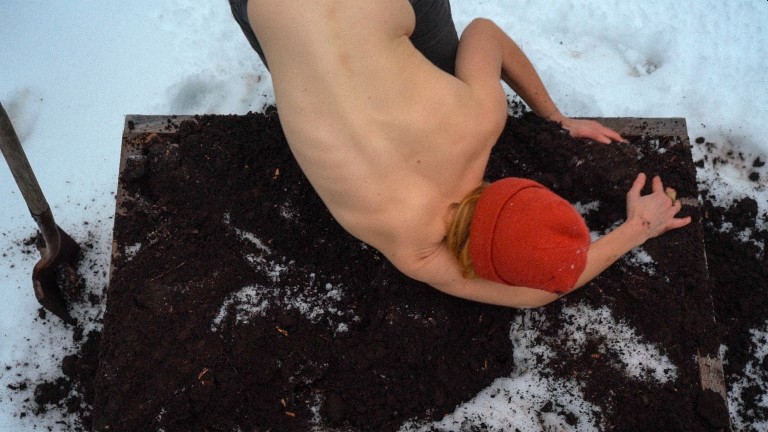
(135,127)
(651,126)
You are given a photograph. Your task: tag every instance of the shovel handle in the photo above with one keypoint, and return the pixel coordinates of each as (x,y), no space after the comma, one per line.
(20,168)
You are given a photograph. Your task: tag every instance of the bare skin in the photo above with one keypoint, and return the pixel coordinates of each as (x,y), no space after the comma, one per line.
(389,141)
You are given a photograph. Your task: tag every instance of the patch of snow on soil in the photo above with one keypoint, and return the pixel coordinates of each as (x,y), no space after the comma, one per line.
(245,235)
(533,399)
(753,378)
(529,400)
(131,251)
(638,257)
(586,208)
(732,171)
(636,359)
(314,302)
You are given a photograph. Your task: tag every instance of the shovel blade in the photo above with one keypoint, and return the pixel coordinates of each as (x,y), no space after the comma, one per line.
(55,279)
(49,295)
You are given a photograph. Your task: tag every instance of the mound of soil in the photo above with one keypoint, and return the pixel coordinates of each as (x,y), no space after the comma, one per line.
(223,253)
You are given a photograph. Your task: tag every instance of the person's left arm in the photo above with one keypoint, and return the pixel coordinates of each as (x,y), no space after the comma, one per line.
(487,53)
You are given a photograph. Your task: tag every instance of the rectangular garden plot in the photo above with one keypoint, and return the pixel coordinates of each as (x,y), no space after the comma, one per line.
(237,303)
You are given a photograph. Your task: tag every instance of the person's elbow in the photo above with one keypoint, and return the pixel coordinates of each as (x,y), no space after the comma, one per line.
(482,22)
(540,301)
(442,273)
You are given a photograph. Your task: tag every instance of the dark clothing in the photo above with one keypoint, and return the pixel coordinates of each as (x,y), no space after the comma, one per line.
(434,35)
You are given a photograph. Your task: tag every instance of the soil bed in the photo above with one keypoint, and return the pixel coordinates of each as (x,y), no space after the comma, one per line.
(237,303)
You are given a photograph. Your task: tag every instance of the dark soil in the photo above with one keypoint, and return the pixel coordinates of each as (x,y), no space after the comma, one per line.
(172,358)
(739,272)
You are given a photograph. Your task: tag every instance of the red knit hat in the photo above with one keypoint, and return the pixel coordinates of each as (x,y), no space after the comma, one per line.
(523,234)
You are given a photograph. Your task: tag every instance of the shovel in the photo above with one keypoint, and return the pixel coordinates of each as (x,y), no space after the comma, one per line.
(60,254)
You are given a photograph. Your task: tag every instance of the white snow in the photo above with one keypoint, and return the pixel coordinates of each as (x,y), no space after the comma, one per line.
(70,72)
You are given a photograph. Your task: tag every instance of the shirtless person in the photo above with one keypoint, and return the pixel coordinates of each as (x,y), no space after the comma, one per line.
(391,143)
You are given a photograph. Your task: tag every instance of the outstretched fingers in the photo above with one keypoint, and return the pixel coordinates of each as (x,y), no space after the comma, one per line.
(678,223)
(670,196)
(656,210)
(637,186)
(581,128)
(656,185)
(613,135)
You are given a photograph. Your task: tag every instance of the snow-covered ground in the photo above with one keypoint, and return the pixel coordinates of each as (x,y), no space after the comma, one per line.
(70,72)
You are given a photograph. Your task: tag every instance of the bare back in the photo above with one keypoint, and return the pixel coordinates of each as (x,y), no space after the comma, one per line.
(388,140)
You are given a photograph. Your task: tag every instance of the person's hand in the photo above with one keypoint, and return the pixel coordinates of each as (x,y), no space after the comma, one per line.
(579,128)
(654,214)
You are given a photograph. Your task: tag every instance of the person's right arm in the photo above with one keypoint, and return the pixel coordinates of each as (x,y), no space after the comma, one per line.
(648,216)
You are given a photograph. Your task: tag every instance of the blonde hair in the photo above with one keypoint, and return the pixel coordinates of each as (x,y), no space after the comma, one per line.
(457,237)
